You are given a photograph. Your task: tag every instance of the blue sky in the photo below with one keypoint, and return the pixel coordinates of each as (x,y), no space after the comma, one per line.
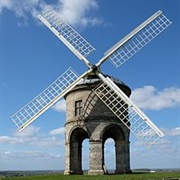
(31,58)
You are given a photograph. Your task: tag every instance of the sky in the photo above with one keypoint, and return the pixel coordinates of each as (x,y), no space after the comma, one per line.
(31,58)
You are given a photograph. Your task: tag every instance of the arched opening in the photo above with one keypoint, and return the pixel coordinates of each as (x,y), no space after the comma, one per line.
(115,134)
(109,155)
(85,155)
(77,137)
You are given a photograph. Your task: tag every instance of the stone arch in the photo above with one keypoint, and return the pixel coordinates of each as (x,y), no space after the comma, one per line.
(113,131)
(77,136)
(117,133)
(97,133)
(103,128)
(120,134)
(75,129)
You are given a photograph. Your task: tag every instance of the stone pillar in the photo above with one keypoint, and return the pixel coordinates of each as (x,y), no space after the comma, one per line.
(96,158)
(73,158)
(67,158)
(127,157)
(122,157)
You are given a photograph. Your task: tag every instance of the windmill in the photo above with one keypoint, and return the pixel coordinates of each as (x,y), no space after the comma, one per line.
(112,96)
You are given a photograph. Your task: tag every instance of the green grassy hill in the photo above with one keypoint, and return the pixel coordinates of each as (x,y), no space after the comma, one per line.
(134,176)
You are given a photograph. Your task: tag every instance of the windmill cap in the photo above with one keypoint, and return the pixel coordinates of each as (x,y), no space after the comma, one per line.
(94,79)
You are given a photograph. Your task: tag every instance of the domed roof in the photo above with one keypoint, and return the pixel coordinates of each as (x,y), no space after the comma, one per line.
(94,79)
(91,79)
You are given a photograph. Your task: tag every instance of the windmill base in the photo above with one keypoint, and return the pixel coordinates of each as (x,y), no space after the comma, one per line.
(89,118)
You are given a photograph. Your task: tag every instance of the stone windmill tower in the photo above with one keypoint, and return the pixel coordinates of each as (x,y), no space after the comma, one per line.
(96,112)
(88,117)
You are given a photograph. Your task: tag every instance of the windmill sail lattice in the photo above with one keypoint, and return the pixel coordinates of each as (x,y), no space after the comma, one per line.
(141,39)
(74,41)
(128,113)
(44,100)
(136,40)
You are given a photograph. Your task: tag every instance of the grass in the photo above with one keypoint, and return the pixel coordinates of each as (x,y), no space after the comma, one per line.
(134,176)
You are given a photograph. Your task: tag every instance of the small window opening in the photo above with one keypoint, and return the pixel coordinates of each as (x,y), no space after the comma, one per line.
(78,108)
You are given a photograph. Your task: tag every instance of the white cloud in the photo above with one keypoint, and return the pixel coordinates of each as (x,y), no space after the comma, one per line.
(32,150)
(164,154)
(22,159)
(172,132)
(149,97)
(20,7)
(5,4)
(33,137)
(60,130)
(60,106)
(27,132)
(76,12)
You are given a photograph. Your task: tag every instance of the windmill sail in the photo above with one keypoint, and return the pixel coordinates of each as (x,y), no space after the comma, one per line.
(47,98)
(74,41)
(129,114)
(136,40)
